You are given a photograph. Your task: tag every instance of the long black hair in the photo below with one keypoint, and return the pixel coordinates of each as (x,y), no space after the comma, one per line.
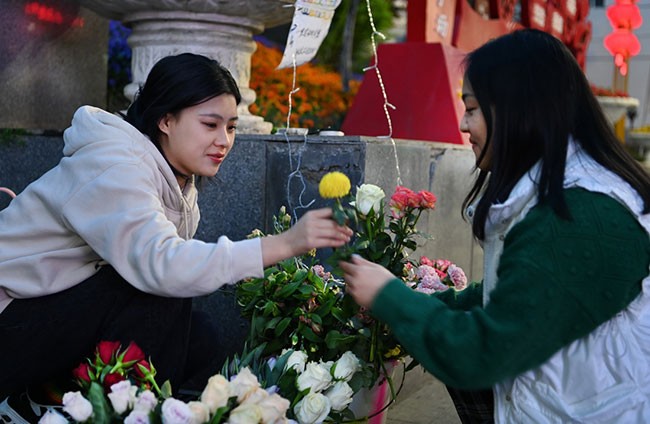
(534,96)
(175,83)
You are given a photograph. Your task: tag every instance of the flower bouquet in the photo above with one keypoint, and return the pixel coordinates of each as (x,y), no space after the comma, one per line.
(299,305)
(119,386)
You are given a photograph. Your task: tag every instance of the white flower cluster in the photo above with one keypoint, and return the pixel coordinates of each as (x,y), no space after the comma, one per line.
(254,404)
(327,383)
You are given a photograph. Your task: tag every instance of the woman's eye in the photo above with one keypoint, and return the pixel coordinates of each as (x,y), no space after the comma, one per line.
(232,128)
(210,124)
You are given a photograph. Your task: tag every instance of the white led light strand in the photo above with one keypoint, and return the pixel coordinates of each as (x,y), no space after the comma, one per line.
(387,105)
(295,173)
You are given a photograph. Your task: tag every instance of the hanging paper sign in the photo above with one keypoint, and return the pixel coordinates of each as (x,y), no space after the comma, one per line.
(311,22)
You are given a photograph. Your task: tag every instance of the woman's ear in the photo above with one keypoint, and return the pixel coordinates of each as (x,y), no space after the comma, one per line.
(164,123)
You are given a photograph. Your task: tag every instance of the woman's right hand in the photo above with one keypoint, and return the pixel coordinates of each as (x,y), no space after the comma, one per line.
(314,230)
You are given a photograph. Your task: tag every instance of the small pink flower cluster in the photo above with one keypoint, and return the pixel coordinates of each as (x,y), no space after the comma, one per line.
(430,276)
(405,200)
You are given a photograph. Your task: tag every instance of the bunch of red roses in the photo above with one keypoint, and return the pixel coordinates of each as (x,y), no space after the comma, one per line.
(113,364)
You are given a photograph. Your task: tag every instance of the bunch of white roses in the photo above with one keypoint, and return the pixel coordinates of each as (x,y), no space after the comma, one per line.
(325,385)
(241,400)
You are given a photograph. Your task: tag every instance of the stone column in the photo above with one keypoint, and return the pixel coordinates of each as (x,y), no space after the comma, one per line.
(222,30)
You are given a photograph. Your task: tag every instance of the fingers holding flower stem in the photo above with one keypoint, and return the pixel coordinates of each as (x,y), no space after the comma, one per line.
(364,279)
(316,229)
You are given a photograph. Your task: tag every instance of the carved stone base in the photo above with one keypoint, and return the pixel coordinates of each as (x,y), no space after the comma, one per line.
(222,30)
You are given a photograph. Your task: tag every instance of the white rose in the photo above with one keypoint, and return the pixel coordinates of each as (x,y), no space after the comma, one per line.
(274,408)
(256,396)
(216,393)
(297,360)
(368,198)
(312,409)
(77,406)
(346,366)
(316,377)
(246,413)
(200,412)
(243,384)
(340,395)
(175,411)
(122,396)
(137,416)
(145,401)
(52,417)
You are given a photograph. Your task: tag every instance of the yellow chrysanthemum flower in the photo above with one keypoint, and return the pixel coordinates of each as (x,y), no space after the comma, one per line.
(334,185)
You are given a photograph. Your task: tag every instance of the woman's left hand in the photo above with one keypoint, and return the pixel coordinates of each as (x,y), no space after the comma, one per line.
(364,279)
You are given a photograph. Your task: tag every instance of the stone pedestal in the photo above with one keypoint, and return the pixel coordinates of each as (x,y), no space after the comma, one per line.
(222,30)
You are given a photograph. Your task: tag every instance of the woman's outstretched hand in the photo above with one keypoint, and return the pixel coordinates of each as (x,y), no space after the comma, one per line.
(315,229)
(364,279)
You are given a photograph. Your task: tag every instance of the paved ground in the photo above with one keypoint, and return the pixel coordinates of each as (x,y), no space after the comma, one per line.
(423,400)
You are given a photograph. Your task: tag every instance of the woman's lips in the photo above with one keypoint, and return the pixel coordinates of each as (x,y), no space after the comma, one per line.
(217,158)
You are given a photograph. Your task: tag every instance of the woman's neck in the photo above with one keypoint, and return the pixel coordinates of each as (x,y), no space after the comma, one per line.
(182,181)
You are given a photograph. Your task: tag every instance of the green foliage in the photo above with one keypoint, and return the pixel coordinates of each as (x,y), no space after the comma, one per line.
(330,49)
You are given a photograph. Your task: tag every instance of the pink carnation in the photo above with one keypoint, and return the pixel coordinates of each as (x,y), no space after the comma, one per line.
(442,264)
(426,261)
(431,287)
(430,281)
(424,271)
(457,276)
(320,271)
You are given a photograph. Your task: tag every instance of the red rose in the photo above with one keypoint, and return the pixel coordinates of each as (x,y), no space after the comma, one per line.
(107,350)
(112,378)
(426,261)
(427,199)
(82,372)
(142,373)
(133,353)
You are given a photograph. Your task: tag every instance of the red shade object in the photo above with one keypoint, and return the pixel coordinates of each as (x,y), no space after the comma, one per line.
(622,42)
(624,16)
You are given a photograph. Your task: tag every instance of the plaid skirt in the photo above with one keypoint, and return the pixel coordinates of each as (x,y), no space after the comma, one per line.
(473,406)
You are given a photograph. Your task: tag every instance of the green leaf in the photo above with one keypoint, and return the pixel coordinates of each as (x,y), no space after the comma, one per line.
(101,410)
(272,323)
(166,390)
(288,289)
(300,276)
(219,415)
(335,339)
(282,325)
(307,333)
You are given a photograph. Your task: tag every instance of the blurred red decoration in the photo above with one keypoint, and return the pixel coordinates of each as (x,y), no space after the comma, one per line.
(50,14)
(624,16)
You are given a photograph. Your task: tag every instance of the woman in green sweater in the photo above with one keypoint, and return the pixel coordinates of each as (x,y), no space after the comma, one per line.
(559,329)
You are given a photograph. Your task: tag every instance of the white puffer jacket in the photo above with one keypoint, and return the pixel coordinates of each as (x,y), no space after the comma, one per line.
(601,378)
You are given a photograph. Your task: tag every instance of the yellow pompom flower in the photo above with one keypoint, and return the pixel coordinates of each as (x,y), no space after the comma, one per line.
(334,185)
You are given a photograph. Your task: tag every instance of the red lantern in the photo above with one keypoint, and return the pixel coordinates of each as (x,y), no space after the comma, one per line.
(624,16)
(623,42)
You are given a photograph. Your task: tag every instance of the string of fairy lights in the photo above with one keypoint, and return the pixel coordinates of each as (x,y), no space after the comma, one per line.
(387,107)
